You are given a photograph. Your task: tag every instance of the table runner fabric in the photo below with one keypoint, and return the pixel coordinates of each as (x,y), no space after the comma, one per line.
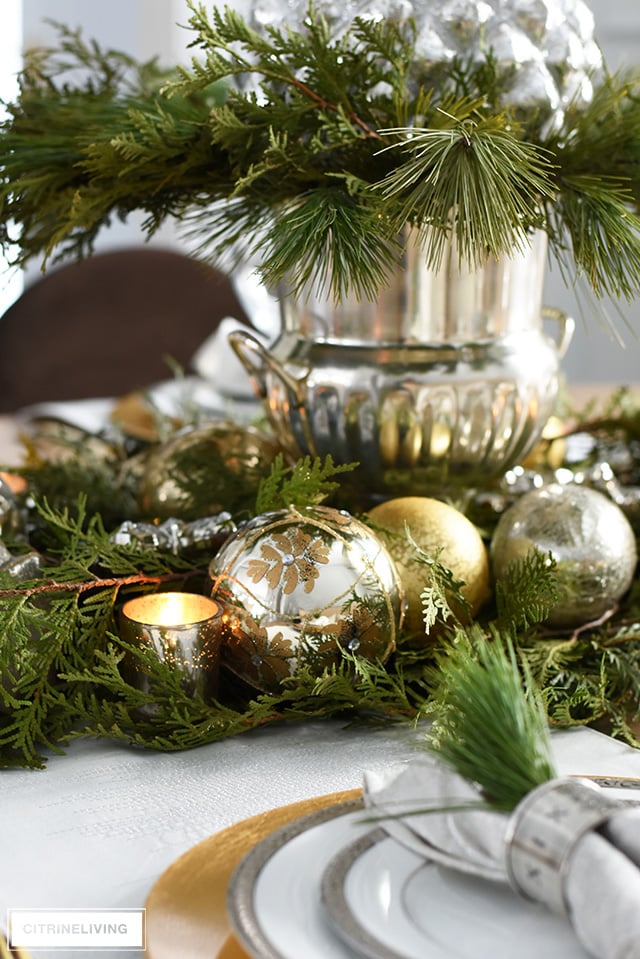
(99,825)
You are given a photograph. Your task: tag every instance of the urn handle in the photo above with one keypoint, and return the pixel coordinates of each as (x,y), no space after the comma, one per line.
(253,356)
(566,327)
(258,361)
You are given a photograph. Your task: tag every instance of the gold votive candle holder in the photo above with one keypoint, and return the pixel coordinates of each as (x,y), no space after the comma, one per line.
(184,630)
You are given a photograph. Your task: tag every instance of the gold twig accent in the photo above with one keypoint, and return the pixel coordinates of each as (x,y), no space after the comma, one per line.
(51,586)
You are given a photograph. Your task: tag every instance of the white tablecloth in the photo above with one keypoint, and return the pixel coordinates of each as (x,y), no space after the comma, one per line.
(99,825)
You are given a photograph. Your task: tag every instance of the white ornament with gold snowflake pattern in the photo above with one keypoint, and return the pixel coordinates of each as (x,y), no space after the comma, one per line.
(300,586)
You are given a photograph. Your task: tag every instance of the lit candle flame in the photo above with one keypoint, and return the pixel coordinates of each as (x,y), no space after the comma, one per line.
(170,610)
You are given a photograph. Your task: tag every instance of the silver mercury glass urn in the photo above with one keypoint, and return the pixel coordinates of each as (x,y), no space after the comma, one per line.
(449,376)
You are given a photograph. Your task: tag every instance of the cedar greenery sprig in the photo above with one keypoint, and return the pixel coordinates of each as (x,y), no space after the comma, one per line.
(442,598)
(355,691)
(311,153)
(309,482)
(590,677)
(56,156)
(526,592)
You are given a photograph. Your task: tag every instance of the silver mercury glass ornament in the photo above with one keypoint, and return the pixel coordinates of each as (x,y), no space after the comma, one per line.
(297,587)
(590,539)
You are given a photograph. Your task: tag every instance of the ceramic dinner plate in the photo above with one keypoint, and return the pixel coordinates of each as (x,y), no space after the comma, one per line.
(328,886)
(274,894)
(388,901)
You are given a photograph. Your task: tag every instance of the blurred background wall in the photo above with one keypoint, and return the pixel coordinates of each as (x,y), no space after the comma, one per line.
(147,28)
(596,355)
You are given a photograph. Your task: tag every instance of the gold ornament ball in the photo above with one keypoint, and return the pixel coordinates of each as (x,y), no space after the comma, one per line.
(439,530)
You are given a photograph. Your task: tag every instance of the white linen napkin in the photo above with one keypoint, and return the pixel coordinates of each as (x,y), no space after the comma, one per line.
(217,363)
(599,878)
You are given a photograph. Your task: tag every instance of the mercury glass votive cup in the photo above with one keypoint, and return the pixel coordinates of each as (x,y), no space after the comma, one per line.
(184,631)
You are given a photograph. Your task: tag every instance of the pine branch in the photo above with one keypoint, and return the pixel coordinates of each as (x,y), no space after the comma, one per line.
(461,181)
(489,720)
(270,144)
(596,214)
(331,243)
(602,138)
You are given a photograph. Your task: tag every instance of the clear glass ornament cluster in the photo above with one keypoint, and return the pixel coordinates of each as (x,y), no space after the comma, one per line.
(550,42)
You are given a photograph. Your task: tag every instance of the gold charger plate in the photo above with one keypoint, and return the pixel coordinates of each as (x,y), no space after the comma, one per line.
(187,906)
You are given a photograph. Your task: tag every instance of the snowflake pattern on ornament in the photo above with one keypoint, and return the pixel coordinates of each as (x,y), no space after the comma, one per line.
(299,589)
(288,560)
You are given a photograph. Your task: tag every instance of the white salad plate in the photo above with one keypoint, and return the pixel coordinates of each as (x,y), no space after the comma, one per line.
(388,902)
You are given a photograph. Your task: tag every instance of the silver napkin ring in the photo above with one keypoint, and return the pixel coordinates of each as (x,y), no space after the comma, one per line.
(543,831)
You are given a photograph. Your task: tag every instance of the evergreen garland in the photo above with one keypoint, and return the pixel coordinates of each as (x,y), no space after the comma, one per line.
(312,155)
(62,656)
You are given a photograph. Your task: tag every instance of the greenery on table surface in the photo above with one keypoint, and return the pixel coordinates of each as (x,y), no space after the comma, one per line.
(312,153)
(61,653)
